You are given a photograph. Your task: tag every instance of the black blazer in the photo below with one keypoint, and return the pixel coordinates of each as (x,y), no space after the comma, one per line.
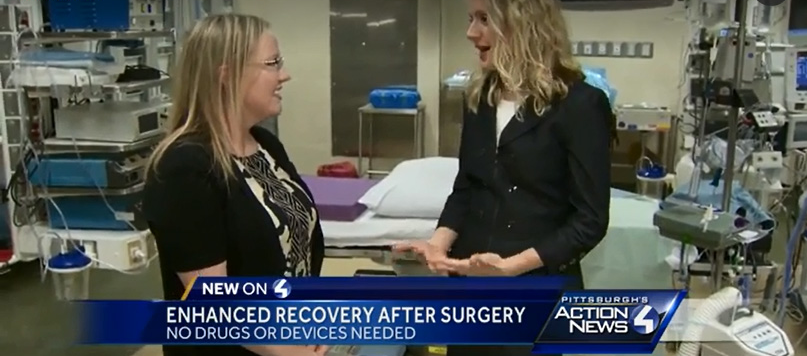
(199,221)
(546,186)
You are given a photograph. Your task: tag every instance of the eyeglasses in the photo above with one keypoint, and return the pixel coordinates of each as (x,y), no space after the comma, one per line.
(277,63)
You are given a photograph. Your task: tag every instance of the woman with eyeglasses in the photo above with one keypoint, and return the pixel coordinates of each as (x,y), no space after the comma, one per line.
(222,197)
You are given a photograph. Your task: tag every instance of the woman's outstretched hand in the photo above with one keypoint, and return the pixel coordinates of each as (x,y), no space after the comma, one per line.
(483,264)
(432,256)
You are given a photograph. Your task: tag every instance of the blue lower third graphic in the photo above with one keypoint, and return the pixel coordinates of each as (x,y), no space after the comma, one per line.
(598,322)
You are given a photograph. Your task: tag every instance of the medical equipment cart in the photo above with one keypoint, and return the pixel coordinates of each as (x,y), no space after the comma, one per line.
(28,93)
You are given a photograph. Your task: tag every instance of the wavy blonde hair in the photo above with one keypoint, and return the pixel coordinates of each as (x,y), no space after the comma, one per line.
(531,57)
(207,83)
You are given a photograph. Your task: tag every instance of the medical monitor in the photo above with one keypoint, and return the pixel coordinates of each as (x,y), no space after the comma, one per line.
(796,131)
(796,79)
(797,22)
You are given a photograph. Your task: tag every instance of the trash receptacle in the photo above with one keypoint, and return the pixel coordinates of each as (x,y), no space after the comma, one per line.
(71,274)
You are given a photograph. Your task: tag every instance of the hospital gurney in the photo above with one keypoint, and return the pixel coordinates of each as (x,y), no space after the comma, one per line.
(371,236)
(631,256)
(352,231)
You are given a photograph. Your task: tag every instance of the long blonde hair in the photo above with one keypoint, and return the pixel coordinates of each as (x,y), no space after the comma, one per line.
(207,84)
(531,58)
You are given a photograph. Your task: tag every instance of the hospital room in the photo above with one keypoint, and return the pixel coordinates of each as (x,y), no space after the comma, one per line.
(378,134)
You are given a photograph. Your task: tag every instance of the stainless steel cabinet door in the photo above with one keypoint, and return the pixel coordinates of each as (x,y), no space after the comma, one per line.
(373,44)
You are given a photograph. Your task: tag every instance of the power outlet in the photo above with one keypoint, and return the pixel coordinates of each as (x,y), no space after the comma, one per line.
(767,160)
(646,50)
(630,50)
(615,49)
(574,48)
(602,48)
(588,49)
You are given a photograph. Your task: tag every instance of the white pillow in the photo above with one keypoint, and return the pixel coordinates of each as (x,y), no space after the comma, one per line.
(414,189)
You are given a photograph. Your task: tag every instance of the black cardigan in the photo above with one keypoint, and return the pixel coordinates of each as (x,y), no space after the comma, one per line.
(199,221)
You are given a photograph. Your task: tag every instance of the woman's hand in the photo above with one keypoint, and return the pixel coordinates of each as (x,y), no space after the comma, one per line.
(482,264)
(319,350)
(432,256)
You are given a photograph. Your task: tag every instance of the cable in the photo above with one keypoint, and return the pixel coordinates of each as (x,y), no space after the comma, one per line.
(21,165)
(73,241)
(67,229)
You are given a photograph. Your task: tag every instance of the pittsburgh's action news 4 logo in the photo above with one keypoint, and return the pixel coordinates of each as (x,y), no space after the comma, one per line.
(281,288)
(611,317)
(644,319)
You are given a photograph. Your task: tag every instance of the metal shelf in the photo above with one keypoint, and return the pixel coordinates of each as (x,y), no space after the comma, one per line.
(42,229)
(59,145)
(81,192)
(129,87)
(156,43)
(110,89)
(75,36)
(370,109)
(368,112)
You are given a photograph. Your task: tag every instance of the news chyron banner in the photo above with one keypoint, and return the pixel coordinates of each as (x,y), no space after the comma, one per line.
(390,311)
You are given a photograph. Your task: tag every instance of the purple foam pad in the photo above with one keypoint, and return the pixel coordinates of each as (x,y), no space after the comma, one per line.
(338,198)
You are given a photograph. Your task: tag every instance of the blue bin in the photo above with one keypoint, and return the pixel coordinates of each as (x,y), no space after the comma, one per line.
(395,97)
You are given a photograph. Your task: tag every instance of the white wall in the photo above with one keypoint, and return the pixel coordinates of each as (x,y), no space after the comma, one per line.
(638,80)
(303,31)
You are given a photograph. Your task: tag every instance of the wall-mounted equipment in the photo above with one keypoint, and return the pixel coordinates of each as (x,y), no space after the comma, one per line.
(796,79)
(614,49)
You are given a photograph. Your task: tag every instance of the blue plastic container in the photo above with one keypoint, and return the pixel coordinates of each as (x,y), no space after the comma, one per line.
(395,97)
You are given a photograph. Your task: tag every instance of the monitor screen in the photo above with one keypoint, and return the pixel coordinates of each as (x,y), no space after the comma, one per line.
(799,133)
(797,24)
(801,71)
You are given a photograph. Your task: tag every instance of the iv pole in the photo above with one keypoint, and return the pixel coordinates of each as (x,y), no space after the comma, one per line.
(731,142)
